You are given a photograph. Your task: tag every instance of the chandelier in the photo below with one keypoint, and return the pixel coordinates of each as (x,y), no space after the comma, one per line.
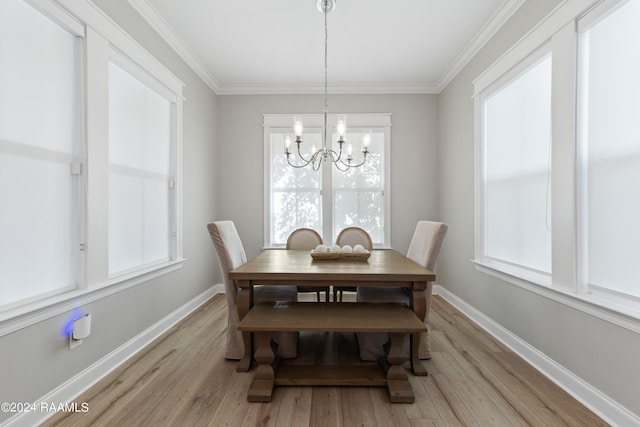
(343,161)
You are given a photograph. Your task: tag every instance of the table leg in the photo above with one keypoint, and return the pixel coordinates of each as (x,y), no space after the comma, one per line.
(261,387)
(398,385)
(243,302)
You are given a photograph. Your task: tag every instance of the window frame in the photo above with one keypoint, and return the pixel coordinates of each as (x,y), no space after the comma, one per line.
(360,120)
(101,40)
(560,29)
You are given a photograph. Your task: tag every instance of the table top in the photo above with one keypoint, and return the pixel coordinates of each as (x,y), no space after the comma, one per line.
(291,265)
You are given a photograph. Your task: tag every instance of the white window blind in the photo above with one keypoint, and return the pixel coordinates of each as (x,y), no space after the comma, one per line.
(139,173)
(39,129)
(516,147)
(610,144)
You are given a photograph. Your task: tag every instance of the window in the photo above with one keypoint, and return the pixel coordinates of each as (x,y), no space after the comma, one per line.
(139,172)
(327,200)
(516,131)
(610,149)
(39,142)
(90,151)
(558,160)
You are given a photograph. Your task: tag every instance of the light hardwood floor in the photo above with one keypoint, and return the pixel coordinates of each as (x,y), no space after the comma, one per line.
(182,379)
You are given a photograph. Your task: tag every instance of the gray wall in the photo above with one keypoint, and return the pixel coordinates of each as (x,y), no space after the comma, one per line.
(413,156)
(602,354)
(35,360)
(432,178)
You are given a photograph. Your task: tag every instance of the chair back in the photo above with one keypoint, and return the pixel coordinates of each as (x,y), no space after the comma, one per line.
(426,243)
(303,239)
(229,249)
(354,236)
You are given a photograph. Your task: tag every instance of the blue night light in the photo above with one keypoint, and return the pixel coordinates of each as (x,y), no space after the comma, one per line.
(67,329)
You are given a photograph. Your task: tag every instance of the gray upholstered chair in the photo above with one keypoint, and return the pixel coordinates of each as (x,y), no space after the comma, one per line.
(305,239)
(231,255)
(351,236)
(424,250)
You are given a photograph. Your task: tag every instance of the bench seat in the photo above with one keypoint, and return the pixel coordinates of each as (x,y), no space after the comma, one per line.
(266,318)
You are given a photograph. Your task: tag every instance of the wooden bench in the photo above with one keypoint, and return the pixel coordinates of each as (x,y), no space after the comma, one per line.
(265,318)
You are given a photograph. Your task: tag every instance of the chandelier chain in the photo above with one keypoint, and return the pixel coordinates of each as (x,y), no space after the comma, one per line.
(325,7)
(326,153)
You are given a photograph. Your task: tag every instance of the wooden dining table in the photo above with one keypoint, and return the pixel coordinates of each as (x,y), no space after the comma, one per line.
(297,268)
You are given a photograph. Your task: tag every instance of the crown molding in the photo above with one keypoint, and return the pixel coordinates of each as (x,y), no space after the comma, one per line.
(498,19)
(155,20)
(335,90)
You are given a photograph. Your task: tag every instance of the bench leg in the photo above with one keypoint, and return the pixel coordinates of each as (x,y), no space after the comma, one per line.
(243,302)
(261,387)
(398,385)
(419,305)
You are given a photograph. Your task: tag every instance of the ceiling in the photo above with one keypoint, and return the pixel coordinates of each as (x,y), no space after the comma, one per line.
(374,46)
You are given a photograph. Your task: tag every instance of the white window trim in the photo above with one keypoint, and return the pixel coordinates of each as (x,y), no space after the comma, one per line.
(560,29)
(102,35)
(356,120)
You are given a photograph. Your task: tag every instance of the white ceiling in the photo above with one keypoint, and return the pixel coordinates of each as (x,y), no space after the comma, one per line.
(374,46)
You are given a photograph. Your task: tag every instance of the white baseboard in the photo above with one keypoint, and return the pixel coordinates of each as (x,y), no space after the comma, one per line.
(72,388)
(606,408)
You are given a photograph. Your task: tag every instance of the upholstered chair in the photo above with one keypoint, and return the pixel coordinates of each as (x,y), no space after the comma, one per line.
(424,250)
(231,255)
(305,239)
(351,236)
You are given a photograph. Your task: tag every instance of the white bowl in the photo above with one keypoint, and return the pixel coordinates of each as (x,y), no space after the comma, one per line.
(359,249)
(346,249)
(321,248)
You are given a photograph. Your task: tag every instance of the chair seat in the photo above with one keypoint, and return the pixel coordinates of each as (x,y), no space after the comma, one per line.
(383,294)
(275,293)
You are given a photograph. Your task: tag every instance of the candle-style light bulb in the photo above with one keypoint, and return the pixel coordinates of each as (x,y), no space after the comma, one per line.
(349,150)
(341,127)
(287,144)
(366,140)
(297,127)
(313,149)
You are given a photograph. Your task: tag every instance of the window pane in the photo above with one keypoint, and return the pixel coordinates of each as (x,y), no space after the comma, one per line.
(358,199)
(613,149)
(361,209)
(295,192)
(37,79)
(517,129)
(139,158)
(37,127)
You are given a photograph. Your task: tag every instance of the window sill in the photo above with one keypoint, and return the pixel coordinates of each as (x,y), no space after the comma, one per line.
(29,314)
(625,316)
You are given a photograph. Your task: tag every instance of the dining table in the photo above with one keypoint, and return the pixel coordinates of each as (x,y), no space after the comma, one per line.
(384,267)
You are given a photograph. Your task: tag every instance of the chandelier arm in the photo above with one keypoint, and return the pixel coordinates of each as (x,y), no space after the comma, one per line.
(337,165)
(298,166)
(302,157)
(349,165)
(316,166)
